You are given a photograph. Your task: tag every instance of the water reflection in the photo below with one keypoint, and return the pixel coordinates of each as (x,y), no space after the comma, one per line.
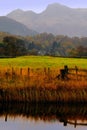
(64,113)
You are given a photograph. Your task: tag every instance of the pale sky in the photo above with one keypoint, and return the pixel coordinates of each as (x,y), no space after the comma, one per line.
(37,6)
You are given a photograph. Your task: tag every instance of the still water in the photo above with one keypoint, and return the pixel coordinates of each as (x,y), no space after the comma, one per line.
(43,117)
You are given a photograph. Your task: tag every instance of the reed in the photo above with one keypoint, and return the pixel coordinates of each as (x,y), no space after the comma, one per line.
(41,85)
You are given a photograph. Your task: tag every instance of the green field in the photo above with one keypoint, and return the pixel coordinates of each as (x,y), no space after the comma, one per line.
(42,61)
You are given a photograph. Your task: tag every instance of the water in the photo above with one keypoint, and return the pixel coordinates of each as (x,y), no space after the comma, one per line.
(43,117)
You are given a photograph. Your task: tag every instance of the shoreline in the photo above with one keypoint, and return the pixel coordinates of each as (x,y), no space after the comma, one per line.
(33,94)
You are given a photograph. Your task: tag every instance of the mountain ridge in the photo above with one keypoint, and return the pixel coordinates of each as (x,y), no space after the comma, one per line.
(56,18)
(13,27)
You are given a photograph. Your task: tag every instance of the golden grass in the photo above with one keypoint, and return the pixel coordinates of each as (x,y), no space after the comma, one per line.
(41,85)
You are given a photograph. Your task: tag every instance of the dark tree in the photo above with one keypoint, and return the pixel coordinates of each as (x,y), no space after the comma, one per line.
(14,46)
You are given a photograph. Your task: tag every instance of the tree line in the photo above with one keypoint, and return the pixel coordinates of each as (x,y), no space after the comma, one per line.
(43,44)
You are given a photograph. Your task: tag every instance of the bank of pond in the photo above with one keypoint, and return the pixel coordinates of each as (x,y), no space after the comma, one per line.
(43,85)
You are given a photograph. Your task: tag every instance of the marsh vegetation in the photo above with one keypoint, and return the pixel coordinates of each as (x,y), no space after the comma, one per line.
(42,85)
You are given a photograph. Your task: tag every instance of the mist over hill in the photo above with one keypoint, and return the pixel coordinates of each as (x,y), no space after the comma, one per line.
(11,26)
(57,19)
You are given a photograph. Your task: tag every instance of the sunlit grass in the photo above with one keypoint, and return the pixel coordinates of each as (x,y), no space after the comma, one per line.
(42,61)
(40,85)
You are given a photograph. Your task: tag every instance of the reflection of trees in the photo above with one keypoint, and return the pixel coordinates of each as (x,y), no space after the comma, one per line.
(67,114)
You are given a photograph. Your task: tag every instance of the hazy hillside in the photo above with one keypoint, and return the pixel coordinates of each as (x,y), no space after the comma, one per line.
(56,19)
(14,27)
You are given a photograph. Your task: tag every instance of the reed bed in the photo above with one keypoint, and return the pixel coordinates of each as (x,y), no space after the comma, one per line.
(41,85)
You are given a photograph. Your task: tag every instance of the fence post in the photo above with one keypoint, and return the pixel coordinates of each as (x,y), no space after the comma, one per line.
(28,72)
(49,73)
(20,71)
(45,71)
(76,68)
(12,72)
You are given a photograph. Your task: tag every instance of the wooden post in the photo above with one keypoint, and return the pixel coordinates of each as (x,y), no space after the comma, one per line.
(76,68)
(12,70)
(21,71)
(45,71)
(7,74)
(66,68)
(13,73)
(62,73)
(49,73)
(28,72)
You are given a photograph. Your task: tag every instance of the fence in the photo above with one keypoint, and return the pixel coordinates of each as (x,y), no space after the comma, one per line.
(28,72)
(50,73)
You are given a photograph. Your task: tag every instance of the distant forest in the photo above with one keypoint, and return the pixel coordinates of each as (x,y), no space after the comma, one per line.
(42,44)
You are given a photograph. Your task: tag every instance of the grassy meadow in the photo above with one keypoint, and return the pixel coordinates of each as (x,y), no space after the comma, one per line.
(33,79)
(42,61)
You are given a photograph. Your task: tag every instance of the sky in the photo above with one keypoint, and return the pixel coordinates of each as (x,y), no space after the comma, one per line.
(37,6)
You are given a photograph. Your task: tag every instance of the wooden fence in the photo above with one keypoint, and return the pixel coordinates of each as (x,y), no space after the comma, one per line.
(51,73)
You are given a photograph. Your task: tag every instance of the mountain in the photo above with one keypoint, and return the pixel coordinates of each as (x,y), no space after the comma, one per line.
(56,19)
(11,26)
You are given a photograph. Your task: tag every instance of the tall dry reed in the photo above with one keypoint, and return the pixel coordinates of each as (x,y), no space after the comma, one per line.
(41,85)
